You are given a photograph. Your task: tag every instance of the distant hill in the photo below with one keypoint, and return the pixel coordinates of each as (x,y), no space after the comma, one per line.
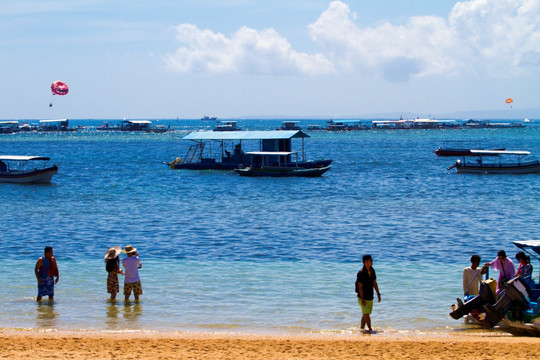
(507,114)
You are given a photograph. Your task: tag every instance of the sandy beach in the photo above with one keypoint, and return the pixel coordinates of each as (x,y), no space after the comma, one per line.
(99,345)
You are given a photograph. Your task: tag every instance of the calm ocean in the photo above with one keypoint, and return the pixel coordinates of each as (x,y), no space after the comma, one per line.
(258,255)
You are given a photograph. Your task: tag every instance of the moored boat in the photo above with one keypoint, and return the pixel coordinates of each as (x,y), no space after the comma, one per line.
(479,166)
(226,150)
(26,169)
(55,125)
(278,164)
(458,148)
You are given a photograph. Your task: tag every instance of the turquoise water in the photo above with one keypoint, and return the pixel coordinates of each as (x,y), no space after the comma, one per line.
(226,253)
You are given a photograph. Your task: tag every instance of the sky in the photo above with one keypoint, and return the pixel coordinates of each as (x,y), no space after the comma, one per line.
(254,58)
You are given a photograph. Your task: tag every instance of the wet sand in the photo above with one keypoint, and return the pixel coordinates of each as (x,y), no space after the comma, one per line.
(32,344)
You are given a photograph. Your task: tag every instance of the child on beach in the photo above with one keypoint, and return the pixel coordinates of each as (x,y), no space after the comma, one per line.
(113,268)
(132,281)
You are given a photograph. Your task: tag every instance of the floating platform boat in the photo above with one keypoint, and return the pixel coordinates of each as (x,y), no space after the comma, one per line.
(226,150)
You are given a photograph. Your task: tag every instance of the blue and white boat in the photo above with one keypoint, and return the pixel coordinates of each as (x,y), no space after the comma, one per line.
(26,169)
(227,150)
(496,165)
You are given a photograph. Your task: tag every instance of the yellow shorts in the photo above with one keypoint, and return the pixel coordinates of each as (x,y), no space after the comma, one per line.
(366,310)
(136,287)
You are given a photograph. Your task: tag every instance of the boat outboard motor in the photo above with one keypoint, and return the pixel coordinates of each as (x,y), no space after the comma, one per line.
(515,297)
(486,296)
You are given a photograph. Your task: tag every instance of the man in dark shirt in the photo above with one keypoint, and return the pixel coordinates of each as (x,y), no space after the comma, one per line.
(366,281)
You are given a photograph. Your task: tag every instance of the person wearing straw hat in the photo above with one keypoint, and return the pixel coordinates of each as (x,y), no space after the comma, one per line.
(132,281)
(112,266)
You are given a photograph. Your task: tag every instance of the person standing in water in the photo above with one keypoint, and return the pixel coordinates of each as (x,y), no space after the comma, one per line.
(132,281)
(112,266)
(46,270)
(366,281)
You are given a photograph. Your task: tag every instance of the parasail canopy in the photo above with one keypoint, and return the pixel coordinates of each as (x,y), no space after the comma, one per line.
(59,88)
(509,100)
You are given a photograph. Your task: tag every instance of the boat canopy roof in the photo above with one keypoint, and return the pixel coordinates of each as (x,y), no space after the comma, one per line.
(499,152)
(270,153)
(22,158)
(137,121)
(246,135)
(529,245)
(53,121)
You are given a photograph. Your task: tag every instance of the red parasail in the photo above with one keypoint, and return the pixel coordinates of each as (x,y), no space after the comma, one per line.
(59,88)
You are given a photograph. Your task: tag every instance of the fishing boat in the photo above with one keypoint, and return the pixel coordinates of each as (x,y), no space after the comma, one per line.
(26,169)
(278,164)
(458,148)
(214,150)
(480,166)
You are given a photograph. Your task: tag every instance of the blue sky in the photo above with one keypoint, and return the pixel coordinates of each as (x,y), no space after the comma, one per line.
(189,58)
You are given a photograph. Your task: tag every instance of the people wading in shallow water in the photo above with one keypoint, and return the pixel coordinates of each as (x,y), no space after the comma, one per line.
(112,266)
(46,270)
(366,281)
(132,281)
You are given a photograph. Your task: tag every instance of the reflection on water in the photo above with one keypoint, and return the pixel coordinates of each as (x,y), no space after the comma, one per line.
(112,315)
(46,315)
(132,312)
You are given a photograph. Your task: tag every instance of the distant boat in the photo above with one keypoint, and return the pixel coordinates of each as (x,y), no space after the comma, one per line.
(290,125)
(55,125)
(206,118)
(479,166)
(26,169)
(226,126)
(9,127)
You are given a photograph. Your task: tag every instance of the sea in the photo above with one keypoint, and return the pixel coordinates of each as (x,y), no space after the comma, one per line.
(224,253)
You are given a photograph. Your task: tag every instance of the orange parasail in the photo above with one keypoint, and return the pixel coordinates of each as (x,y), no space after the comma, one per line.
(509,100)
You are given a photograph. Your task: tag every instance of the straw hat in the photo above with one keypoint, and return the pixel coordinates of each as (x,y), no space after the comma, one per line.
(129,249)
(113,252)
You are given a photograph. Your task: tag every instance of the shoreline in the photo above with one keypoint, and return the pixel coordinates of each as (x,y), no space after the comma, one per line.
(31,343)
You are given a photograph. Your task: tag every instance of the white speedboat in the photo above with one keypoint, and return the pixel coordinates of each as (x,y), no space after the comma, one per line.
(26,169)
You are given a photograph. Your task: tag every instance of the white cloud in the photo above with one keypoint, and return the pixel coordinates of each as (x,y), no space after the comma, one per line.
(495,37)
(246,51)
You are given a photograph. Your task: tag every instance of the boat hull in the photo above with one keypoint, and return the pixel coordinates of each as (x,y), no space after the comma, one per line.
(213,165)
(524,168)
(282,172)
(38,176)
(457,152)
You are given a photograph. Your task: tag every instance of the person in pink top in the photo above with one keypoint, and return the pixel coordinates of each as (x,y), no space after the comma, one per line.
(505,267)
(132,281)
